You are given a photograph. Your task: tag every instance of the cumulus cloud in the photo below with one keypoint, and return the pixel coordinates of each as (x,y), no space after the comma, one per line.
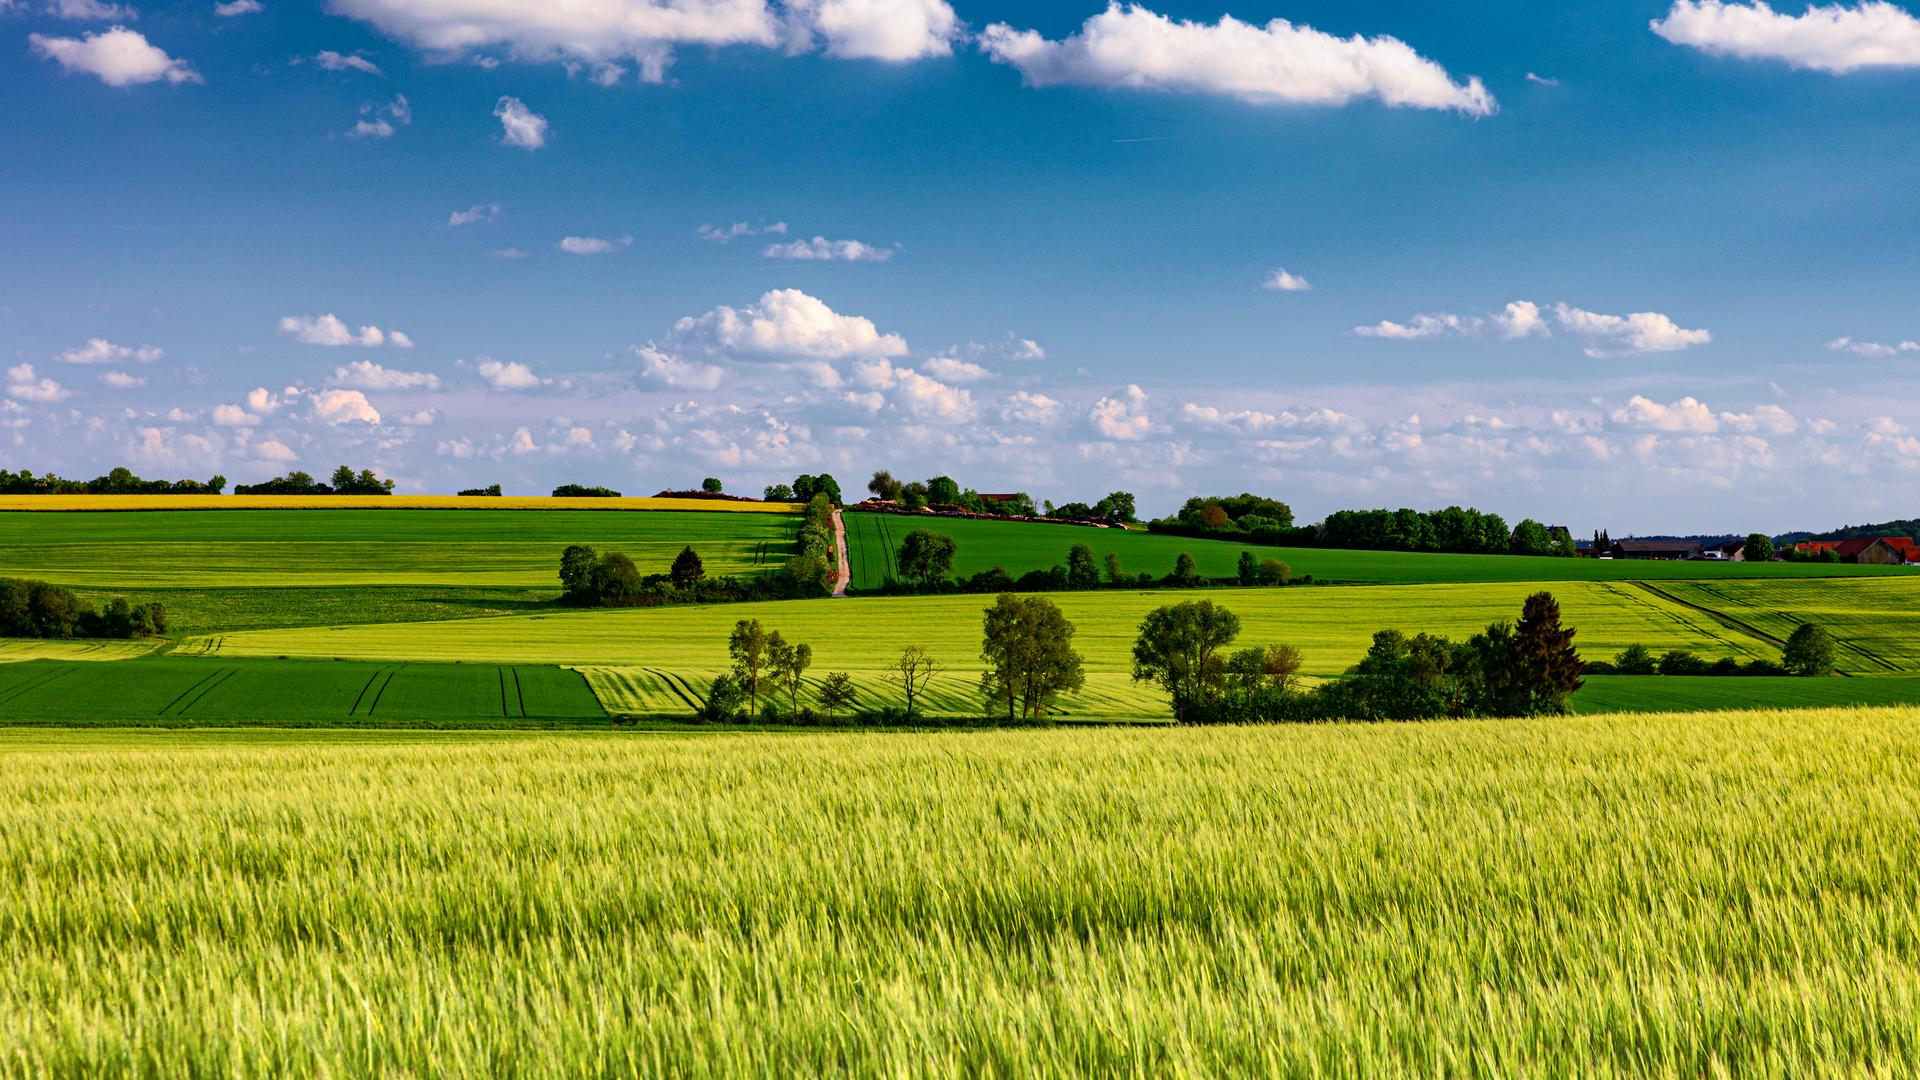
(120,57)
(368,375)
(102,351)
(789,322)
(824,249)
(476,213)
(604,36)
(592,245)
(272,450)
(1285,282)
(343,406)
(1124,417)
(261,401)
(1273,64)
(333,61)
(238,7)
(93,9)
(507,376)
(658,368)
(737,230)
(955,371)
(896,30)
(1871,348)
(328,330)
(1627,335)
(1834,39)
(23,383)
(927,398)
(233,416)
(520,126)
(1026,408)
(120,380)
(1520,319)
(1683,415)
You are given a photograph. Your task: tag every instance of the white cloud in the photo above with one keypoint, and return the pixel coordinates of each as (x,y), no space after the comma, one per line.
(930,399)
(22,383)
(238,7)
(377,126)
(120,380)
(789,322)
(1683,415)
(508,376)
(476,213)
(375,129)
(1520,319)
(260,401)
(1834,39)
(592,245)
(1871,348)
(1770,419)
(510,253)
(1123,418)
(1542,80)
(1616,335)
(1025,408)
(272,450)
(737,230)
(1277,63)
(92,9)
(328,330)
(368,375)
(1285,282)
(233,416)
(896,30)
(955,371)
(333,61)
(662,369)
(822,248)
(520,126)
(102,351)
(120,57)
(341,406)
(423,418)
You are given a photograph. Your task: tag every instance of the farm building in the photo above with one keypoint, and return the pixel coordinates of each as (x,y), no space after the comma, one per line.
(1656,549)
(1875,551)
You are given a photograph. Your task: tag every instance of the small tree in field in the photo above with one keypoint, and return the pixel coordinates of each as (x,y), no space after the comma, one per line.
(883,485)
(1274,572)
(913,671)
(748,647)
(687,570)
(1179,650)
(1185,573)
(1082,572)
(712,484)
(614,580)
(576,566)
(1028,646)
(723,699)
(836,693)
(1809,651)
(926,556)
(1249,569)
(1114,572)
(1758,548)
(789,664)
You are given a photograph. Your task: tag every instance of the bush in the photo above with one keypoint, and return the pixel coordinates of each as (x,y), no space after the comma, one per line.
(1809,652)
(1636,659)
(577,491)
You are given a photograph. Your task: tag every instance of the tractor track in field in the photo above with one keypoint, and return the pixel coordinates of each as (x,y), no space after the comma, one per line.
(1747,628)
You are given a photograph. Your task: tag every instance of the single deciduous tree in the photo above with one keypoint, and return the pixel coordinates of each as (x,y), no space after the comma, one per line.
(1758,548)
(1082,571)
(723,699)
(1185,573)
(1248,568)
(712,484)
(687,570)
(615,580)
(943,489)
(1635,659)
(789,664)
(1028,646)
(912,672)
(1179,650)
(836,692)
(576,569)
(926,556)
(1114,573)
(1270,667)
(1274,572)
(883,485)
(1809,651)
(748,647)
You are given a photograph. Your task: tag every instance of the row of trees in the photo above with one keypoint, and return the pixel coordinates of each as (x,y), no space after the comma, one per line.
(589,578)
(581,491)
(925,560)
(1809,651)
(1267,521)
(36,609)
(805,488)
(945,493)
(120,481)
(344,482)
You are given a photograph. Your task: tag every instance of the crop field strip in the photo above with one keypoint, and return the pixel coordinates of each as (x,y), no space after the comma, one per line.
(393,547)
(1332,626)
(1875,622)
(198,503)
(1668,896)
(288,691)
(1669,693)
(1020,547)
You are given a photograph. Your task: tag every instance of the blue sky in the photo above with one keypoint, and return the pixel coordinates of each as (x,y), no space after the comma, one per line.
(1637,266)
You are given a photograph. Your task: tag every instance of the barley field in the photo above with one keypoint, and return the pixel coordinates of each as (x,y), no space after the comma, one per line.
(1875,621)
(1649,896)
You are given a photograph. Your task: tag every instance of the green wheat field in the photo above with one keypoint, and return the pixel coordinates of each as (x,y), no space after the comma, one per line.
(1664,895)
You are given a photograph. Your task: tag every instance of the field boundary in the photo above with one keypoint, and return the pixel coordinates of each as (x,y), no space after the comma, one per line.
(1735,624)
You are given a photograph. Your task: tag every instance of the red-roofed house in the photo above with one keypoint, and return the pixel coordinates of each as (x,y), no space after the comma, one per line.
(1870,550)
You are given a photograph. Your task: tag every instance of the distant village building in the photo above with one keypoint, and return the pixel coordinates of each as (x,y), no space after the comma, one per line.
(1656,549)
(1866,550)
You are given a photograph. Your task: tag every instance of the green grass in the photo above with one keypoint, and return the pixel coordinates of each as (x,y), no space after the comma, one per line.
(192,612)
(872,540)
(1332,626)
(1659,896)
(1677,693)
(1877,623)
(179,690)
(520,548)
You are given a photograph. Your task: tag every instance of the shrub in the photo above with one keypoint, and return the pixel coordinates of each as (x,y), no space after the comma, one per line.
(1809,651)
